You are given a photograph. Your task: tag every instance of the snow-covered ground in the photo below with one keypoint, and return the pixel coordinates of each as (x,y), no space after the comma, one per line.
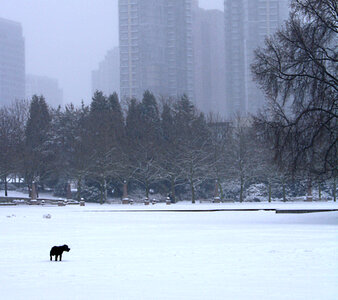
(169,255)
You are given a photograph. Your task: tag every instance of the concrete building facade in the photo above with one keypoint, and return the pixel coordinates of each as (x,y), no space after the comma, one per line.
(247,24)
(209,64)
(12,62)
(156,51)
(234,56)
(107,77)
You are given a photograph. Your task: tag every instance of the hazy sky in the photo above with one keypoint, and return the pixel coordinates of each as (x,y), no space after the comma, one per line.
(66,39)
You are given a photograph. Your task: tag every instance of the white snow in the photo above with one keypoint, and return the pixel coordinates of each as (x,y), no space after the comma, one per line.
(169,255)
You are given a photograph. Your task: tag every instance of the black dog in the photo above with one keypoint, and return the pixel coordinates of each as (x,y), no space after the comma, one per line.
(57,251)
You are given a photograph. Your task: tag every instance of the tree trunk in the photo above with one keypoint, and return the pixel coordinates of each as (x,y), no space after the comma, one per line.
(334,190)
(79,188)
(284,193)
(242,190)
(192,184)
(319,191)
(269,191)
(173,189)
(101,192)
(192,193)
(221,191)
(309,190)
(6,187)
(101,195)
(192,190)
(147,189)
(105,192)
(36,189)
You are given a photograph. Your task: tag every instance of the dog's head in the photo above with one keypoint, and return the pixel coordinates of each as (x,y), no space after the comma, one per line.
(65,248)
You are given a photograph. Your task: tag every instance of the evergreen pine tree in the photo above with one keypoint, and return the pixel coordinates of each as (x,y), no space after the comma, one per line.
(37,152)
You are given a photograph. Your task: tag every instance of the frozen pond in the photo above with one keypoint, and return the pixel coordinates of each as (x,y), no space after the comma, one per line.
(168,255)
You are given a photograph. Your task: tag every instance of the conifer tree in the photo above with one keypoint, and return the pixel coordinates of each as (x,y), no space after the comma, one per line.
(37,152)
(193,142)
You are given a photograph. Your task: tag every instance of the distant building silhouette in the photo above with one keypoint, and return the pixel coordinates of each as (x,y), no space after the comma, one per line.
(209,64)
(12,62)
(45,86)
(156,51)
(234,56)
(247,24)
(107,77)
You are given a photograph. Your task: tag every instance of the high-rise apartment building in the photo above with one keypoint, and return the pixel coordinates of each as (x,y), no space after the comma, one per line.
(107,77)
(234,56)
(284,10)
(45,86)
(156,51)
(264,17)
(247,24)
(209,64)
(12,62)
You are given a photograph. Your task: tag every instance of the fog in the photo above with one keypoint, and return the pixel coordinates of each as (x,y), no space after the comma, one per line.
(67,39)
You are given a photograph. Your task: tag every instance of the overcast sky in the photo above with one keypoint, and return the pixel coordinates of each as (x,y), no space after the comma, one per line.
(66,39)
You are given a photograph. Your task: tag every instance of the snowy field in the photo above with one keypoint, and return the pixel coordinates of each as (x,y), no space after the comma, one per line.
(169,255)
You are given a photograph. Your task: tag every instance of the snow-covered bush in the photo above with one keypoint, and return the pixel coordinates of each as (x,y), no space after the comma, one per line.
(91,194)
(231,190)
(60,189)
(256,192)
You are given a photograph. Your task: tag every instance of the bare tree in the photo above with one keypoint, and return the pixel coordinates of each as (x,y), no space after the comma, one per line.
(12,121)
(220,138)
(297,69)
(194,163)
(242,154)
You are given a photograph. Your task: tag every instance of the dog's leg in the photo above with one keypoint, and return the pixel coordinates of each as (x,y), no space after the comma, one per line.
(60,257)
(50,257)
(56,257)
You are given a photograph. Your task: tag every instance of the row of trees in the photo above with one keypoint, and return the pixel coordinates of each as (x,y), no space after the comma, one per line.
(168,146)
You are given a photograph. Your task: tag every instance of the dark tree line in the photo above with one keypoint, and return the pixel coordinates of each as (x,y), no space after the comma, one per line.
(12,136)
(166,146)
